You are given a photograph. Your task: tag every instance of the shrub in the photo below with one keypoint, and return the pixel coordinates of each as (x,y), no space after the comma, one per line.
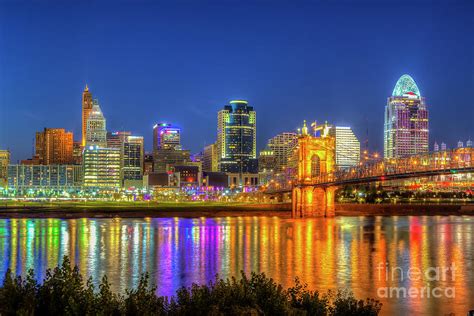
(64,292)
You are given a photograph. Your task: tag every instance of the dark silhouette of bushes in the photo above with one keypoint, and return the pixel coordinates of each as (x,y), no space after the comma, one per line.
(65,292)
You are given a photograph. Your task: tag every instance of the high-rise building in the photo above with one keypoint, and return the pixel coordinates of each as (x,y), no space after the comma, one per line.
(460,144)
(282,146)
(237,143)
(209,161)
(469,143)
(436,147)
(347,146)
(148,164)
(86,110)
(4,162)
(443,146)
(102,167)
(267,166)
(406,121)
(164,159)
(54,146)
(96,132)
(166,136)
(132,156)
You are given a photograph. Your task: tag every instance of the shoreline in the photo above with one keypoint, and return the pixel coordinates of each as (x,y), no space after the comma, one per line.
(190,210)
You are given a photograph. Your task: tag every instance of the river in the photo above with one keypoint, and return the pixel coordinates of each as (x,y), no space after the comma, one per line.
(412,264)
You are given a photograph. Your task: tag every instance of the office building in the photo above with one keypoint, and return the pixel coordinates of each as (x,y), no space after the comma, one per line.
(236,143)
(86,110)
(77,152)
(96,132)
(164,159)
(282,146)
(406,121)
(116,139)
(4,162)
(148,164)
(209,160)
(102,167)
(44,177)
(166,136)
(132,158)
(347,147)
(267,166)
(54,146)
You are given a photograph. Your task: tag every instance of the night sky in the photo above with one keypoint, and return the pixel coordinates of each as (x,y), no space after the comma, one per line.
(180,62)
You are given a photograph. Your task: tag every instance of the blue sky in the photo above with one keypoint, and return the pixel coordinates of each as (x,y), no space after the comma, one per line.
(181,61)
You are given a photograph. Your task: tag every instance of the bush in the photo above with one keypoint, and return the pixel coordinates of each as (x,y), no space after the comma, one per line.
(64,292)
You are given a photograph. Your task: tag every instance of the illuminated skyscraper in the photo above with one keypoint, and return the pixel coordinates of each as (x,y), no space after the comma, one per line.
(347,146)
(132,155)
(406,121)
(54,146)
(4,162)
(96,132)
(86,110)
(237,144)
(166,136)
(282,146)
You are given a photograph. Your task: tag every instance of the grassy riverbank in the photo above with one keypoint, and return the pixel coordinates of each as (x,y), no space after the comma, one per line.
(64,291)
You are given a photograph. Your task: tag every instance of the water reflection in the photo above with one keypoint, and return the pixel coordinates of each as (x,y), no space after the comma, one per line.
(344,252)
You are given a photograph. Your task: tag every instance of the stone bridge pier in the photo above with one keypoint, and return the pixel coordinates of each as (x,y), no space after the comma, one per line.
(309,201)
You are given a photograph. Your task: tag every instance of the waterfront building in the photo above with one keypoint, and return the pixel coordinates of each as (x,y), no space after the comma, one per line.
(406,121)
(44,177)
(166,136)
(4,162)
(86,110)
(436,147)
(54,146)
(469,143)
(443,146)
(347,146)
(236,143)
(96,132)
(460,144)
(132,159)
(188,175)
(102,167)
(209,160)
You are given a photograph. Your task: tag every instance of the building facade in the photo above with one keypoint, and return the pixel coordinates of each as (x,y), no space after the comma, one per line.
(4,162)
(54,146)
(237,142)
(96,132)
(347,147)
(132,156)
(282,146)
(166,136)
(406,121)
(209,160)
(102,167)
(86,110)
(22,177)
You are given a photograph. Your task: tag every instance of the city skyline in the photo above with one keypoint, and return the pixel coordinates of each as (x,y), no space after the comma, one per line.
(316,79)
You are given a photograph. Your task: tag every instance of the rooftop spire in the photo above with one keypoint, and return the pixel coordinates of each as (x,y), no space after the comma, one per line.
(87,88)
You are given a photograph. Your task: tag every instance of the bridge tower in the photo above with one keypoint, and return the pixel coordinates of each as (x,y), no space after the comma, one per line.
(316,160)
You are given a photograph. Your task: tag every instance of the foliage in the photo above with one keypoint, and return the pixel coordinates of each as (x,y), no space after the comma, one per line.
(64,292)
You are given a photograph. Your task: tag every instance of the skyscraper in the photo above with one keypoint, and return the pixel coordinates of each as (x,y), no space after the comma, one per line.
(86,110)
(347,146)
(96,132)
(54,146)
(166,136)
(237,144)
(406,121)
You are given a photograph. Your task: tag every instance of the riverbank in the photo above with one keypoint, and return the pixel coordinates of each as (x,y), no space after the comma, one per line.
(209,209)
